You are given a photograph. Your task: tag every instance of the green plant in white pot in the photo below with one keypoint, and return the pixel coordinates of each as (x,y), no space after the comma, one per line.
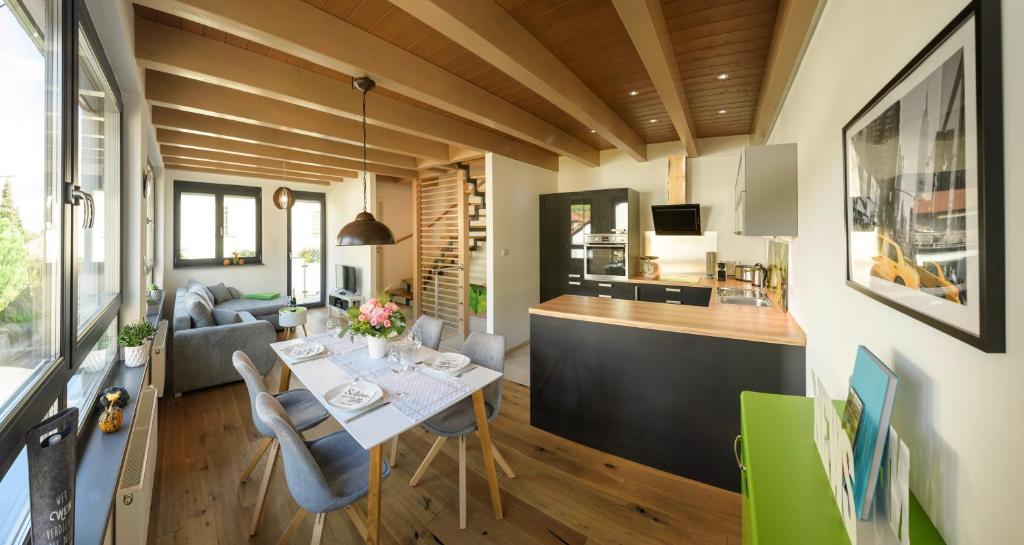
(133,338)
(154,293)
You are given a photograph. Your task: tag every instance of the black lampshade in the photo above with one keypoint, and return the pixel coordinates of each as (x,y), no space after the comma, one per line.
(284,198)
(365,230)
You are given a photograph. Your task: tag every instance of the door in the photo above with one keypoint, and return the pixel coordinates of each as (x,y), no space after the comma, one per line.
(307,244)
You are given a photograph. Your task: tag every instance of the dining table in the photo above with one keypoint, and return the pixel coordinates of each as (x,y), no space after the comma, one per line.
(410,397)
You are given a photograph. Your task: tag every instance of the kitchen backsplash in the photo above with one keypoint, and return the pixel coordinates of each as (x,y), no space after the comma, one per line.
(778,271)
(680,254)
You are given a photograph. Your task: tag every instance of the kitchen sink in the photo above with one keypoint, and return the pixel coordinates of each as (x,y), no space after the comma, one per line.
(751,297)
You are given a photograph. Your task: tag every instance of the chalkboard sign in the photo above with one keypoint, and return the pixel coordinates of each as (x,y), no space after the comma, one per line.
(51,478)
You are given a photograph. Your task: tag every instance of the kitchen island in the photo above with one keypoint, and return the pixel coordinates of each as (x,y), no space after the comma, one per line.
(657,383)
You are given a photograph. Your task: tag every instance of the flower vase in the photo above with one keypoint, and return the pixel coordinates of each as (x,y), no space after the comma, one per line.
(378,347)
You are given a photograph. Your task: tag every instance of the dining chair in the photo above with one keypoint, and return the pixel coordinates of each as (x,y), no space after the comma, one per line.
(323,475)
(429,329)
(459,420)
(304,412)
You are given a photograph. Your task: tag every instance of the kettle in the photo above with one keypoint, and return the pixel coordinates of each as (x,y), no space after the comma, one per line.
(760,276)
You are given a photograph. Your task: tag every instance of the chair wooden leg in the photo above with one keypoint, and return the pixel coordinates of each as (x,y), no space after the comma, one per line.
(256,459)
(431,454)
(262,496)
(393,459)
(485,446)
(318,525)
(358,520)
(293,526)
(501,460)
(462,482)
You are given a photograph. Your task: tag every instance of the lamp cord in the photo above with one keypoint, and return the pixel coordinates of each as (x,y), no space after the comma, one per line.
(364,151)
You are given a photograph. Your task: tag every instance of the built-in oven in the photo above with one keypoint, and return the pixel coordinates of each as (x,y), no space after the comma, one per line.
(606,257)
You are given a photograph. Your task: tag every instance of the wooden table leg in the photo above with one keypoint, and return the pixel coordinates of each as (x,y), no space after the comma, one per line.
(488,454)
(373,498)
(284,381)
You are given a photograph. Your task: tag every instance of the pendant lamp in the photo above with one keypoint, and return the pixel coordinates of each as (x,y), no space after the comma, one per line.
(284,198)
(365,230)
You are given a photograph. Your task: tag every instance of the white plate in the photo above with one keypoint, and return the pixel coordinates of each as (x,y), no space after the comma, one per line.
(449,362)
(353,395)
(303,351)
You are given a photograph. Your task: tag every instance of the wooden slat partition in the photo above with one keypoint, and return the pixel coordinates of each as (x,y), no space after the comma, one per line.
(441,240)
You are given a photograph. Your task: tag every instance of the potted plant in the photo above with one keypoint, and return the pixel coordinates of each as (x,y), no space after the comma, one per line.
(378,319)
(155,293)
(133,338)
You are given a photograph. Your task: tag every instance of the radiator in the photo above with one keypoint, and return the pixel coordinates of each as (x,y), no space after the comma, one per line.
(158,362)
(135,489)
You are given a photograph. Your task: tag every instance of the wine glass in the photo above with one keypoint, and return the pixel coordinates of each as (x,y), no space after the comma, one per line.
(415,342)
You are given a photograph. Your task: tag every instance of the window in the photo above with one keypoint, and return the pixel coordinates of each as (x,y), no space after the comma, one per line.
(222,223)
(150,193)
(30,209)
(53,354)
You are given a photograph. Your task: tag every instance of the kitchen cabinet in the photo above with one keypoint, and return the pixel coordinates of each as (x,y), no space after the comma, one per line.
(678,295)
(610,290)
(766,191)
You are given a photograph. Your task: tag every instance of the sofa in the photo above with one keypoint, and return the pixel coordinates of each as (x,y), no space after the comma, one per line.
(201,350)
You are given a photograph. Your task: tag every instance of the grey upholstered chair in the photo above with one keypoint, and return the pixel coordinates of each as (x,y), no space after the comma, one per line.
(429,329)
(323,475)
(304,412)
(459,420)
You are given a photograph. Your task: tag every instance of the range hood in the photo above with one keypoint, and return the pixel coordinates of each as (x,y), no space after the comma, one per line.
(677,219)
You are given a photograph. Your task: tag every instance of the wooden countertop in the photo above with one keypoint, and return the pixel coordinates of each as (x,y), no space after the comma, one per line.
(764,324)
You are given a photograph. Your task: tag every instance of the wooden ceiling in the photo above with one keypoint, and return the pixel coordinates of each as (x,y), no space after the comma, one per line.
(588,89)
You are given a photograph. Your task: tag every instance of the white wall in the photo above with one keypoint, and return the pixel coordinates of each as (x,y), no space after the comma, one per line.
(395,262)
(513,225)
(957,408)
(344,200)
(710,178)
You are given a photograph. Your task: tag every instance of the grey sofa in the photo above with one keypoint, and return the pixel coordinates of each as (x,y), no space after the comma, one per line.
(201,356)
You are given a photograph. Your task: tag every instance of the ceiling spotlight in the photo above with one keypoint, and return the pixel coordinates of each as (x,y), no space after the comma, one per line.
(720,112)
(652,120)
(634,93)
(723,76)
(593,130)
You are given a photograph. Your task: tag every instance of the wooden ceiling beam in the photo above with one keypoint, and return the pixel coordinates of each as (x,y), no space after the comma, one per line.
(299,158)
(214,168)
(184,152)
(486,29)
(646,27)
(193,123)
(173,91)
(794,25)
(169,50)
(304,31)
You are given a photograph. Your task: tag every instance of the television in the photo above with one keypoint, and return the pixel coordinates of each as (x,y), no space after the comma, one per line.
(345,278)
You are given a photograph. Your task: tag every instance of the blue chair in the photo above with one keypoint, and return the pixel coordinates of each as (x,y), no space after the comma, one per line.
(304,412)
(323,475)
(459,420)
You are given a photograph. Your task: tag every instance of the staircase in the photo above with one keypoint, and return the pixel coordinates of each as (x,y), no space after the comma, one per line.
(477,211)
(402,295)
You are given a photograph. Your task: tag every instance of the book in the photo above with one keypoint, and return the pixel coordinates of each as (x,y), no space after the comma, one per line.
(851,416)
(874,384)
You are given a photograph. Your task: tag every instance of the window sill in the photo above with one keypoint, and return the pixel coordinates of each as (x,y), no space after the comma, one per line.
(217,265)
(100,459)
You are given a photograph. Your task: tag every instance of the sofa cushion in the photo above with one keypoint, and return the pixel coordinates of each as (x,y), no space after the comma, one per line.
(200,292)
(255,306)
(220,293)
(235,294)
(206,290)
(201,313)
(224,316)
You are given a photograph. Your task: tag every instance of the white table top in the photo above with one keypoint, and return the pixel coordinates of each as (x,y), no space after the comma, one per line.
(377,426)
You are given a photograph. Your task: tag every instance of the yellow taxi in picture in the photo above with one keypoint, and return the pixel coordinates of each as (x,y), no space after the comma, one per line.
(890,265)
(934,281)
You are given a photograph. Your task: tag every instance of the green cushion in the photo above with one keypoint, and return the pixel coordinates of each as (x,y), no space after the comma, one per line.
(262,296)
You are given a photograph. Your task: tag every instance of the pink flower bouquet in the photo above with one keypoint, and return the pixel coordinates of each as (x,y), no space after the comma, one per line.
(378,317)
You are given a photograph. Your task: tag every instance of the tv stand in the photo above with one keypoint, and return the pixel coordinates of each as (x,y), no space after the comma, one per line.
(342,299)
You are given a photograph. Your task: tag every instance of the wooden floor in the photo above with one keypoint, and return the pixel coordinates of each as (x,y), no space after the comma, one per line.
(563,493)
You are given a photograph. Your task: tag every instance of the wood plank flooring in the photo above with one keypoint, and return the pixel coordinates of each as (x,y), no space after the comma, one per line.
(563,493)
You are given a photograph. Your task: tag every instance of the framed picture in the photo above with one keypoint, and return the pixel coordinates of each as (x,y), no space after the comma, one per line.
(923,174)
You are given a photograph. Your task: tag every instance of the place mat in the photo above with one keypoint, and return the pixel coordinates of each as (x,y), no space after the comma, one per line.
(426,394)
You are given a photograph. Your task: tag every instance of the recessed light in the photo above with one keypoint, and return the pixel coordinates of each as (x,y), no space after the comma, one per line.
(723,76)
(634,93)
(593,130)
(720,112)
(652,120)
